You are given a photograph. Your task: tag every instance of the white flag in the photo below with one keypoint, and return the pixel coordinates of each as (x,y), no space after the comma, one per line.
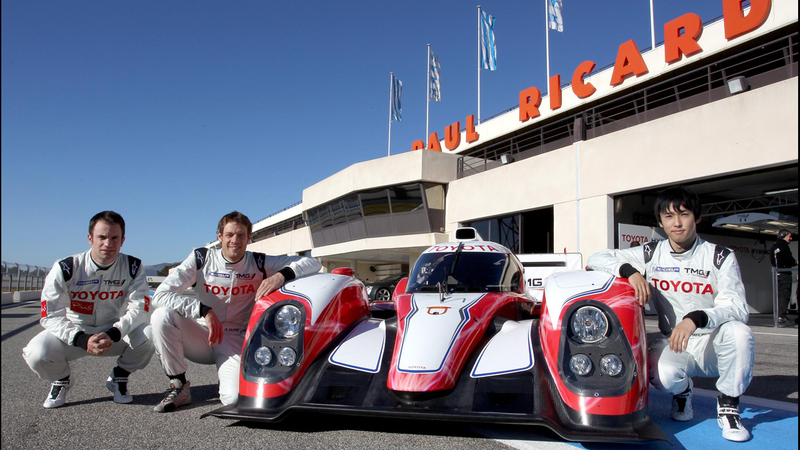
(556,21)
(435,89)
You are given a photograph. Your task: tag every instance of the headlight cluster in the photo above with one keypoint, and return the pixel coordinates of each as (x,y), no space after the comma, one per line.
(286,356)
(589,325)
(288,321)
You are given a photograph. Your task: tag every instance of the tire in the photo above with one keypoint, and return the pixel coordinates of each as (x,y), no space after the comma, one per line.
(383,295)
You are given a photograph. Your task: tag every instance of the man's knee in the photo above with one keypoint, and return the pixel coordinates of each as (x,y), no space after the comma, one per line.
(161,318)
(737,334)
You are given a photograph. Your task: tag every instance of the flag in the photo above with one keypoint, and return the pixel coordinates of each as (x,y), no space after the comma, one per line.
(397,109)
(556,21)
(488,49)
(435,88)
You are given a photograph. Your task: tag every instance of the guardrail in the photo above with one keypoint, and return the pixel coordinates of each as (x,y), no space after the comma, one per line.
(22,277)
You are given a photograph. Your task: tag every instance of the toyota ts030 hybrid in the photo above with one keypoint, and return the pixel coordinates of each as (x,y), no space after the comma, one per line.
(467,344)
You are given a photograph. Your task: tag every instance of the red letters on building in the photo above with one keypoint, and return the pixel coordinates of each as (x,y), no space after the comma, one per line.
(472,135)
(419,144)
(452,136)
(433,142)
(581,89)
(736,23)
(629,62)
(677,44)
(529,101)
(555,92)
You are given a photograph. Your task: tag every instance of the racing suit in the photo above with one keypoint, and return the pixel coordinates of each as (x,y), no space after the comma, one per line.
(79,299)
(705,284)
(227,288)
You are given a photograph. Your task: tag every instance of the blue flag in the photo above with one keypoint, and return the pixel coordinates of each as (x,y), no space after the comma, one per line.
(397,109)
(435,89)
(488,49)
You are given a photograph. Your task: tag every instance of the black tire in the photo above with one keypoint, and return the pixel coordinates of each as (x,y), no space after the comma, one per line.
(383,295)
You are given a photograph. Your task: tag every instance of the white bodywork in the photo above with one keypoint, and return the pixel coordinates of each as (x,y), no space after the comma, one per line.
(318,289)
(363,348)
(562,287)
(431,329)
(509,351)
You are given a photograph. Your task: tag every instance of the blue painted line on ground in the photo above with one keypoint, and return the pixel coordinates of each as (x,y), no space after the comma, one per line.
(773,428)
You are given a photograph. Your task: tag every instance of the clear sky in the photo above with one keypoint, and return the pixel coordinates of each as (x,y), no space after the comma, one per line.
(174,113)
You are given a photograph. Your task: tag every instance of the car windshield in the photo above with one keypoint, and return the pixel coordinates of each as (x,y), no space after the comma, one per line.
(474,272)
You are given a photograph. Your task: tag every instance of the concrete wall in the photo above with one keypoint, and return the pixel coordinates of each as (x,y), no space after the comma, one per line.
(403,168)
(745,132)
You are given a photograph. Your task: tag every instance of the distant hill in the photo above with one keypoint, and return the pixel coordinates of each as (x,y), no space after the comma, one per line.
(151,271)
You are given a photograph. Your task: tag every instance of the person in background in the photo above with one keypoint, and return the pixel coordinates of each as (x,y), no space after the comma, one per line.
(210,327)
(697,290)
(781,258)
(93,303)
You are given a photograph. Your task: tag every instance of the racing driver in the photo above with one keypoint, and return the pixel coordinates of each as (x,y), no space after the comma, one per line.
(210,328)
(93,303)
(697,290)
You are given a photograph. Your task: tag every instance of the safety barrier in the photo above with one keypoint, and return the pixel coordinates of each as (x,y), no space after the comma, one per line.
(22,277)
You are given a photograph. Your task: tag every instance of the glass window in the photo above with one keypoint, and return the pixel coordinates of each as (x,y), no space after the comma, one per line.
(465,271)
(352,210)
(406,198)
(325,216)
(375,202)
(337,213)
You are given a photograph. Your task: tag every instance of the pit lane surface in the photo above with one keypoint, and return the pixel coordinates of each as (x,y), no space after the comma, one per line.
(90,419)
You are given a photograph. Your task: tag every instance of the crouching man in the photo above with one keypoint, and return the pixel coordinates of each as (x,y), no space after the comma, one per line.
(697,290)
(210,328)
(93,303)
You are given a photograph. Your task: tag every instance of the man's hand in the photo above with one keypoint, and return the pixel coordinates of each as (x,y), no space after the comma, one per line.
(214,328)
(641,287)
(680,335)
(99,344)
(270,285)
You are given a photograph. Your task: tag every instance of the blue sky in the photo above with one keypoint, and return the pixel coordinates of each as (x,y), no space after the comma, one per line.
(174,113)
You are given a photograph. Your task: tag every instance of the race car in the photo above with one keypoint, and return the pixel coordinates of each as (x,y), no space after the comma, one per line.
(466,343)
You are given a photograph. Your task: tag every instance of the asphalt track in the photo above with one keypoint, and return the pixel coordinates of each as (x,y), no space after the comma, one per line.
(90,419)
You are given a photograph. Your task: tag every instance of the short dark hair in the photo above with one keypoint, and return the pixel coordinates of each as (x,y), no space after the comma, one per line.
(109,217)
(237,217)
(783,233)
(677,197)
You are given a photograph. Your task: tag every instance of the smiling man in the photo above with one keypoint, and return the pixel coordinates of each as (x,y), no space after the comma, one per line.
(697,290)
(93,303)
(209,328)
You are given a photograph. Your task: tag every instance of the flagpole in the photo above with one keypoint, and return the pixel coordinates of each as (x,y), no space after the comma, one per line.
(428,97)
(547,42)
(652,28)
(389,151)
(479,64)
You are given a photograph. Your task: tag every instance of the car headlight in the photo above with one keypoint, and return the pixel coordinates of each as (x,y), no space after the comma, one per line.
(263,356)
(580,364)
(589,324)
(287,356)
(288,321)
(611,365)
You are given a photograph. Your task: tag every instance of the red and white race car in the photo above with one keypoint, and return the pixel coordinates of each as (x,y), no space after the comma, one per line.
(467,343)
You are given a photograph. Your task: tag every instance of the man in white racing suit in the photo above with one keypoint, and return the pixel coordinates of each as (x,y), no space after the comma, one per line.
(697,290)
(210,327)
(93,303)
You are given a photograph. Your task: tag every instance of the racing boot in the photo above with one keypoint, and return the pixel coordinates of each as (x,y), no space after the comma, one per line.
(58,393)
(729,420)
(682,405)
(117,383)
(178,394)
